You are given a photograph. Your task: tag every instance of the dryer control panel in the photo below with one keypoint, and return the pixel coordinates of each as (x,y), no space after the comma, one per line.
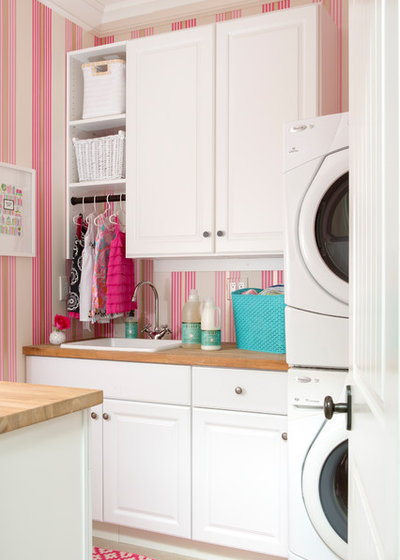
(308,139)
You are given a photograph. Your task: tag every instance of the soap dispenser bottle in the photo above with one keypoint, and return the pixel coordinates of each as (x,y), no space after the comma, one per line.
(191,321)
(131,326)
(210,326)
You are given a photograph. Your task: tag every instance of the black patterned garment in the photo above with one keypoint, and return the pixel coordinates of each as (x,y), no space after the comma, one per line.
(76,269)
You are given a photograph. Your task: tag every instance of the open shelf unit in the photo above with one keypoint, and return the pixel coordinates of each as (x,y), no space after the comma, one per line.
(87,128)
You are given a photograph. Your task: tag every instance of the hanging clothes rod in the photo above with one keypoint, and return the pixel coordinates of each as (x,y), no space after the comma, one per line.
(103,198)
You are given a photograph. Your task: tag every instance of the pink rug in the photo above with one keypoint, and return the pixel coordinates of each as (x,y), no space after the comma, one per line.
(104,554)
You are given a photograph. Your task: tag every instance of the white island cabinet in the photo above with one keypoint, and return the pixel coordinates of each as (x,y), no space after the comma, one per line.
(45,509)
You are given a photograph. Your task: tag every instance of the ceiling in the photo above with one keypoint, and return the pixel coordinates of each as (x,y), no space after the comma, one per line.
(111,16)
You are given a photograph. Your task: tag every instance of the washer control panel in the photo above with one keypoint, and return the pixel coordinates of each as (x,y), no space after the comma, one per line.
(309,387)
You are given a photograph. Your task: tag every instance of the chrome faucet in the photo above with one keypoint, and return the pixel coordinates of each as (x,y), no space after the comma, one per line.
(152,332)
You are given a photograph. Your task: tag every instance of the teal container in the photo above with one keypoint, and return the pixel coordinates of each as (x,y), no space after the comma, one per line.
(259,321)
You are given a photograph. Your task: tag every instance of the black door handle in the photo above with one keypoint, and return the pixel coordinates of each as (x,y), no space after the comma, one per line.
(330,407)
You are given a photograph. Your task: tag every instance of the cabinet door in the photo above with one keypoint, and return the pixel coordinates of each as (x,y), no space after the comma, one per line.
(266,75)
(147,466)
(239,480)
(170,143)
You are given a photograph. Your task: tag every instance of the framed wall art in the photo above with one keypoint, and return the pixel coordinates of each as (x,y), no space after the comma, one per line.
(17,211)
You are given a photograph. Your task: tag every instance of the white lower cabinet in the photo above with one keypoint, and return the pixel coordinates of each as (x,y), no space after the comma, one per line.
(146,461)
(191,452)
(239,480)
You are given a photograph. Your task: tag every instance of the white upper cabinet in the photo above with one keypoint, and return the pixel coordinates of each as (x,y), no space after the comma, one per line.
(170,143)
(205,160)
(267,74)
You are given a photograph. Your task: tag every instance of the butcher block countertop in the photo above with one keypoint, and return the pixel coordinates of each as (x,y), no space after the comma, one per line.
(22,404)
(229,356)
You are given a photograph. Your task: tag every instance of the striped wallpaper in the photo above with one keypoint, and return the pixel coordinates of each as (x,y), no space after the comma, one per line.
(8,293)
(33,49)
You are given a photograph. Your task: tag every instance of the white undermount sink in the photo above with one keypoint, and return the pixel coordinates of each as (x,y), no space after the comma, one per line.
(124,344)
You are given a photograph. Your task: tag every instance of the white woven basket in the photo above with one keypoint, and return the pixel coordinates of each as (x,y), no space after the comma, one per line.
(100,158)
(103,88)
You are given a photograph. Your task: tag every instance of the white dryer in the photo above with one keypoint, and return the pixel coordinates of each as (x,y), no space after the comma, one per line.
(317,466)
(317,241)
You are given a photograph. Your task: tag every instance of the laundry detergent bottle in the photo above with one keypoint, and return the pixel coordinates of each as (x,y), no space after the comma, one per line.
(191,321)
(210,326)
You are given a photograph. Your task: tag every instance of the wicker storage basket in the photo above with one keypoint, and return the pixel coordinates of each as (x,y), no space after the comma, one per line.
(103,88)
(259,322)
(100,158)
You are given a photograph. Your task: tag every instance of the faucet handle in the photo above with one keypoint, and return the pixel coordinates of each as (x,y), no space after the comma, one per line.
(147,329)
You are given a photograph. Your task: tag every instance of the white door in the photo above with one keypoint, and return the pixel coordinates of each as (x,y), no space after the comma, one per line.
(374,277)
(147,466)
(239,480)
(170,143)
(267,74)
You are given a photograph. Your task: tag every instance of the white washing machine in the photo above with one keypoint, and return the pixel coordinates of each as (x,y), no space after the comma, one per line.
(317,459)
(317,241)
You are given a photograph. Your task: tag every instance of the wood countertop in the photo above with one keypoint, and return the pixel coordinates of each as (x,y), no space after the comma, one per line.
(23,404)
(229,356)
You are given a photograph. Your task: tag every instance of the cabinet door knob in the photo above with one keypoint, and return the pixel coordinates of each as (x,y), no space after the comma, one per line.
(106,416)
(206,234)
(284,436)
(238,390)
(220,233)
(94,415)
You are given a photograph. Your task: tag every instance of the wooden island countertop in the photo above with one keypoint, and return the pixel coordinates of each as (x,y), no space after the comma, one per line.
(229,356)
(23,404)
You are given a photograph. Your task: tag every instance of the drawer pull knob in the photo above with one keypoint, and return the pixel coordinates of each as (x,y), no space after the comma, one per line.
(238,390)
(284,436)
(94,415)
(106,416)
(220,233)
(206,234)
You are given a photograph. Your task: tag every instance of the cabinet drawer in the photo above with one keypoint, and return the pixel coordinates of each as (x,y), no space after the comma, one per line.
(158,383)
(240,389)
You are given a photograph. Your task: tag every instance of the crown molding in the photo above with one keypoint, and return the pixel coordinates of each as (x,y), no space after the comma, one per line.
(109,18)
(86,13)
(185,10)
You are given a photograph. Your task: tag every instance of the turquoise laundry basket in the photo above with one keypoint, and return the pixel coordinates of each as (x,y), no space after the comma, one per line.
(259,321)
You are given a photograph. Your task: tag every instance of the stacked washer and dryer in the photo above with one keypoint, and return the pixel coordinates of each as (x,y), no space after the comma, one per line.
(316,296)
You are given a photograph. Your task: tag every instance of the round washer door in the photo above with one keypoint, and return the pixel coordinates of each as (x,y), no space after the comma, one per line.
(324,226)
(325,485)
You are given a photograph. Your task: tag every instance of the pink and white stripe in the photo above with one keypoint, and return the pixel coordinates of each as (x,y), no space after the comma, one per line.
(272,6)
(220,300)
(8,290)
(73,41)
(139,33)
(103,40)
(234,14)
(41,161)
(181,284)
(335,8)
(73,36)
(271,277)
(184,24)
